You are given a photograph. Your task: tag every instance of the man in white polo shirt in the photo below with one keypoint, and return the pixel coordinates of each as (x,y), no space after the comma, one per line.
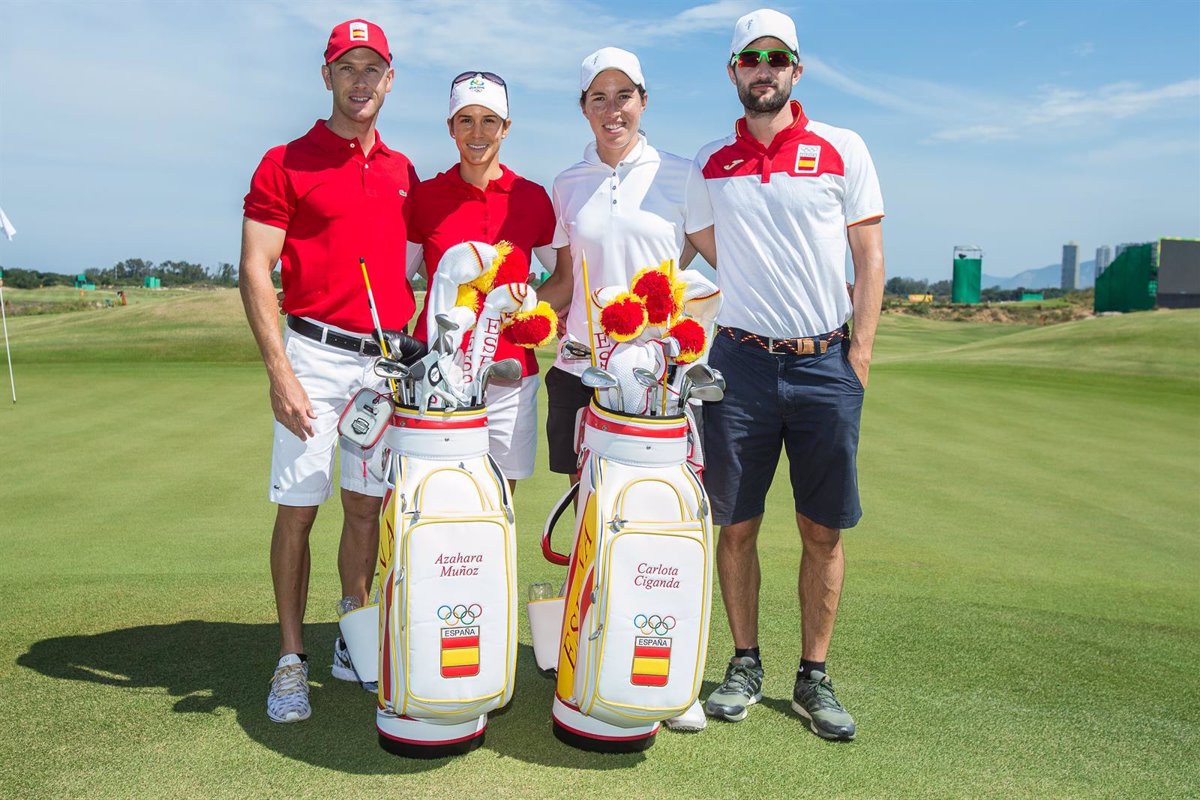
(624,207)
(788,196)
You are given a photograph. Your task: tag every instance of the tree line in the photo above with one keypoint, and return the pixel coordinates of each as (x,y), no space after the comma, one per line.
(130,272)
(941,290)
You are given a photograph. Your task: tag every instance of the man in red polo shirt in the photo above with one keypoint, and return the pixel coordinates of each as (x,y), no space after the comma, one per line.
(479,199)
(317,205)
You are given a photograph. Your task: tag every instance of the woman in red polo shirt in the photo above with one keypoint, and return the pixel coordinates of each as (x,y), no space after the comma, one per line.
(481,200)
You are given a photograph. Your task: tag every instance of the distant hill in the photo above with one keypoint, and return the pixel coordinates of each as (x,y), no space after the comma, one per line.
(1049,276)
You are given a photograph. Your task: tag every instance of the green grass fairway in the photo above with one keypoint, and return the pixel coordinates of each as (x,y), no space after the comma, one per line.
(1021,616)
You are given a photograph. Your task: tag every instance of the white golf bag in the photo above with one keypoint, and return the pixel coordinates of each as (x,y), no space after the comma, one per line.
(635,622)
(444,633)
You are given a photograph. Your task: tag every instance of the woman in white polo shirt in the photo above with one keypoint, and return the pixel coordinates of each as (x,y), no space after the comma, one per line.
(624,207)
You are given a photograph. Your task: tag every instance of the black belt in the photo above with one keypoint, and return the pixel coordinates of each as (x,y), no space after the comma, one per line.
(801,346)
(319,333)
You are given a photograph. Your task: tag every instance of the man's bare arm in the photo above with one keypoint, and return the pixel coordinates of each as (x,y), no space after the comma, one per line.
(704,242)
(261,246)
(559,286)
(866,248)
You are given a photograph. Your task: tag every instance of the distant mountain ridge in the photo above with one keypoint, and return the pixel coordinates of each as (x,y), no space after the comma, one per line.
(1047,277)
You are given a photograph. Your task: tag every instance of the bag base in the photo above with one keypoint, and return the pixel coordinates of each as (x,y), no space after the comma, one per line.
(414,738)
(586,733)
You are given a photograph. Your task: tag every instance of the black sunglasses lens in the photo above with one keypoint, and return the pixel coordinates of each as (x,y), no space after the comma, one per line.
(491,76)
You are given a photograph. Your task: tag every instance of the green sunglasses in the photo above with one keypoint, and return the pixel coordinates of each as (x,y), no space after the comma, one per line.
(776,59)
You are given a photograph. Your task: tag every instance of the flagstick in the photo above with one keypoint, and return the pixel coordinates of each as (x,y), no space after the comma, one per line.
(383,348)
(587,292)
(7,350)
(670,322)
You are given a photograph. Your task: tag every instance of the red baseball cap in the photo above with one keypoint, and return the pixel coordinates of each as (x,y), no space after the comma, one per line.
(356,33)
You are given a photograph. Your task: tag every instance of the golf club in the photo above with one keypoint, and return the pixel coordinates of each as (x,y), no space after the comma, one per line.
(508,369)
(600,379)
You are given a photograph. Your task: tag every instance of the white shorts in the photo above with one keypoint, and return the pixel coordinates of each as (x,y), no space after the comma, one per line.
(512,425)
(302,471)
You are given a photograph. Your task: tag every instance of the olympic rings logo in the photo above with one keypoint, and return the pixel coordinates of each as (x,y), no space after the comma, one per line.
(653,624)
(460,613)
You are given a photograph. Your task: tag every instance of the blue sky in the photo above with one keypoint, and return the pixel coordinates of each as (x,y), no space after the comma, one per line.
(130,129)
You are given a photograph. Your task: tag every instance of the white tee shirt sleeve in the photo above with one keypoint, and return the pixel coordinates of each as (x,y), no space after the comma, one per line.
(863,199)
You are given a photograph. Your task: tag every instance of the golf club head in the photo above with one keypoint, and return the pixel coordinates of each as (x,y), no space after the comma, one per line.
(508,369)
(445,327)
(394,370)
(718,378)
(571,349)
(597,378)
(707,393)
(700,374)
(645,377)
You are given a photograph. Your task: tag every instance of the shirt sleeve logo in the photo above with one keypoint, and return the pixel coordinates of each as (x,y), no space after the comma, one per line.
(807,158)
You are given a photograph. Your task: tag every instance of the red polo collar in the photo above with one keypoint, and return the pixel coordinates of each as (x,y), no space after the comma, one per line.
(504,183)
(793,131)
(330,141)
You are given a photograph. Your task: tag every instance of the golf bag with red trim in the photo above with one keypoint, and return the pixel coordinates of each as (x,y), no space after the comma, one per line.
(445,638)
(635,622)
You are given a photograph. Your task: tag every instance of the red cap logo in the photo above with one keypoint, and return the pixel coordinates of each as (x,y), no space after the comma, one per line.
(356,33)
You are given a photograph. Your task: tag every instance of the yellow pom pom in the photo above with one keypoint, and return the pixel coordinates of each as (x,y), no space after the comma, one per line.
(470,296)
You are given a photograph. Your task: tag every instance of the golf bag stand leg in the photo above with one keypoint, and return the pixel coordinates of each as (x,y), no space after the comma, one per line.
(447,617)
(635,621)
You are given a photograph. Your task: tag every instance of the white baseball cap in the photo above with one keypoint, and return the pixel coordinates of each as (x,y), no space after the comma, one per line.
(610,58)
(764,22)
(485,89)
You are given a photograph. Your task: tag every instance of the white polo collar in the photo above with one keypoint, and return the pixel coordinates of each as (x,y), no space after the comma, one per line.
(642,153)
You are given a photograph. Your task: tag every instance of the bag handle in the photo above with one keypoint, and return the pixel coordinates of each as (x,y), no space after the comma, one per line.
(548,551)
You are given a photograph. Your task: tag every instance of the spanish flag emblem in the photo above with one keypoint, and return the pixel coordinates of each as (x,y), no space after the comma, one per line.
(358,32)
(807,157)
(651,661)
(460,652)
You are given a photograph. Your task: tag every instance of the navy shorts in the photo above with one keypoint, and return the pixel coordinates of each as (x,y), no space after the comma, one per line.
(810,405)
(565,395)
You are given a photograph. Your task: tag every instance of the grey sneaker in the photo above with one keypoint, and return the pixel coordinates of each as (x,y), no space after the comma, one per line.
(288,699)
(814,700)
(741,689)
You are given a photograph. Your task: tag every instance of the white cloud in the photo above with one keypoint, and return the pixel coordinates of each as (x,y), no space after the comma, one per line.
(1050,107)
(1084,49)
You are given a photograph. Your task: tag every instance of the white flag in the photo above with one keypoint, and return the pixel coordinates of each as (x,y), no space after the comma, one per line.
(7,226)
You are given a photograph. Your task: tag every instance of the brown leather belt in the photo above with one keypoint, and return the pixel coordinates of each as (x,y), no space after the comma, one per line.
(802,346)
(363,346)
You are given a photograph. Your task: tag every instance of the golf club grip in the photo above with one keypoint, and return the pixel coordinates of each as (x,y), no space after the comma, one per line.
(548,551)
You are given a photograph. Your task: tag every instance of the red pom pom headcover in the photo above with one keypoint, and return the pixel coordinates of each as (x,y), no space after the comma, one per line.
(691,338)
(532,328)
(654,286)
(624,318)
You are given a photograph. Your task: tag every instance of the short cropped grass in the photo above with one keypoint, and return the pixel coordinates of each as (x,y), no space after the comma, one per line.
(1021,615)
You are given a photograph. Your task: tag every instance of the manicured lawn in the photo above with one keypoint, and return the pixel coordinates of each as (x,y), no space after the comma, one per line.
(1021,615)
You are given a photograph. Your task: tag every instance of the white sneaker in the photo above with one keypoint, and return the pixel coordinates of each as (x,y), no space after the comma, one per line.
(691,720)
(288,699)
(343,668)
